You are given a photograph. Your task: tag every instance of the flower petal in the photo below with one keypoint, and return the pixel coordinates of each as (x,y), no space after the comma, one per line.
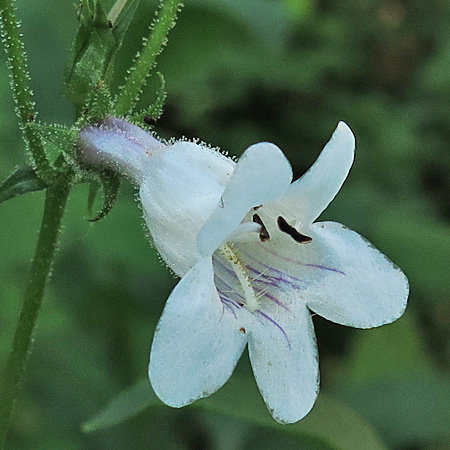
(362,287)
(117,144)
(196,344)
(262,174)
(181,189)
(310,195)
(283,354)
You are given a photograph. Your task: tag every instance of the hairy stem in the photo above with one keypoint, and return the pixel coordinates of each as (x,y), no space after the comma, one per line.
(145,60)
(20,86)
(14,370)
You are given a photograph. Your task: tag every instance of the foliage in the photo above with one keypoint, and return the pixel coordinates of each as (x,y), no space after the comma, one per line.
(22,181)
(330,425)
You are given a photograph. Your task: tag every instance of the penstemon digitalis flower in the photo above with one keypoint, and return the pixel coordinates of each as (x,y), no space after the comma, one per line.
(252,262)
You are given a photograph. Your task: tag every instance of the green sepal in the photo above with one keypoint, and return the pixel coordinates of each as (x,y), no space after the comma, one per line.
(95,47)
(155,110)
(110,185)
(92,52)
(144,61)
(21,181)
(93,191)
(98,106)
(57,138)
(120,26)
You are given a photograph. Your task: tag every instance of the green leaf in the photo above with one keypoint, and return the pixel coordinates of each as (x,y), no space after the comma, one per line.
(390,380)
(395,349)
(22,181)
(269,25)
(412,408)
(420,245)
(124,406)
(330,423)
(300,8)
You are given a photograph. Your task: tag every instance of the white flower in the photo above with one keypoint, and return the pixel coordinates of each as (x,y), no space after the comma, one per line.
(253,263)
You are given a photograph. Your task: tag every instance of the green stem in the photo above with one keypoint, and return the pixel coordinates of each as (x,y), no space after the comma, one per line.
(21,91)
(12,376)
(145,60)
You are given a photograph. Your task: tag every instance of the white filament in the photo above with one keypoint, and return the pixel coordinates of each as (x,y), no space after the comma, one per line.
(251,301)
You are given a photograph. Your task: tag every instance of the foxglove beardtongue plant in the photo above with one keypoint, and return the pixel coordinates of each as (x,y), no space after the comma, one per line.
(252,262)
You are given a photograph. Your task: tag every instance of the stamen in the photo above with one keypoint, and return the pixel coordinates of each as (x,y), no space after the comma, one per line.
(251,302)
(291,231)
(263,234)
(262,293)
(260,274)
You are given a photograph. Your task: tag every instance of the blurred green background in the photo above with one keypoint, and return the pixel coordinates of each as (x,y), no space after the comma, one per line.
(240,72)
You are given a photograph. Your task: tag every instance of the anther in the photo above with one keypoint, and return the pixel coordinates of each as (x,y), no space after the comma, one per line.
(291,231)
(263,234)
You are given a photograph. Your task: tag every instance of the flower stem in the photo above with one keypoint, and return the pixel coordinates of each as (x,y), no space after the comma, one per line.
(145,60)
(14,370)
(21,91)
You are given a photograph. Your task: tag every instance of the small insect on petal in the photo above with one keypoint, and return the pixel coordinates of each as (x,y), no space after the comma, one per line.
(291,231)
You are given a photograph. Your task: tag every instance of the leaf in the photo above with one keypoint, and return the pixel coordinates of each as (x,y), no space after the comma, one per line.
(300,8)
(397,349)
(330,423)
(405,409)
(390,380)
(269,25)
(420,245)
(336,425)
(124,406)
(22,181)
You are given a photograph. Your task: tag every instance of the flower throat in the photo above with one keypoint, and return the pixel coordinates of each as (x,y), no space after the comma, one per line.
(251,301)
